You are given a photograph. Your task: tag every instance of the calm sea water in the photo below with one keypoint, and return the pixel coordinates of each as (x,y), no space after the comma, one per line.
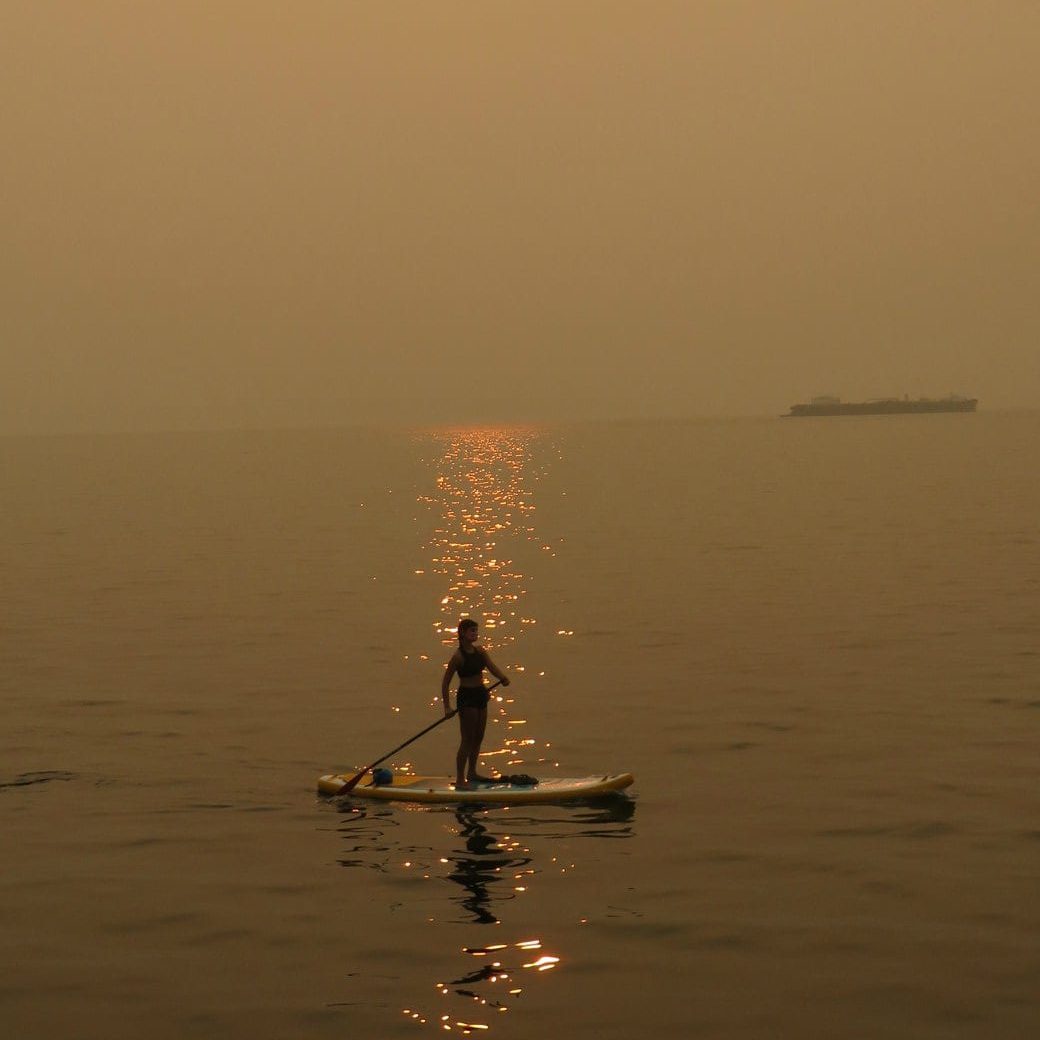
(814,642)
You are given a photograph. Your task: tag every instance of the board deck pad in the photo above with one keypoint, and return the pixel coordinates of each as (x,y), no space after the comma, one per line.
(442,789)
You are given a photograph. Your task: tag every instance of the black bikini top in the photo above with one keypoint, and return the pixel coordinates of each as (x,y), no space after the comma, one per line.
(471,664)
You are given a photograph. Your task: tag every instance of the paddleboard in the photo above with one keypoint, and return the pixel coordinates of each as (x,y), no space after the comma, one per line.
(442,789)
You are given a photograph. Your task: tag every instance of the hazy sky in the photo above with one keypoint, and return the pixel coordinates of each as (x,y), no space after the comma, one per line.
(243,212)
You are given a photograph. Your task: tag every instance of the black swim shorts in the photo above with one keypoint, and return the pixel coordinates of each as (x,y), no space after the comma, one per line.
(472,697)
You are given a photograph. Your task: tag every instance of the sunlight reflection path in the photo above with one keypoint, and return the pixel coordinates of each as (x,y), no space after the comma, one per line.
(500,855)
(484,523)
(483,545)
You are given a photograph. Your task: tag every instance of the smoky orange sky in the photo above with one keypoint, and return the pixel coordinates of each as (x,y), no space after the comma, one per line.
(251,213)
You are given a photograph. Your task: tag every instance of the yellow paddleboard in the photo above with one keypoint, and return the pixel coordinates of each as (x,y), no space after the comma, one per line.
(442,789)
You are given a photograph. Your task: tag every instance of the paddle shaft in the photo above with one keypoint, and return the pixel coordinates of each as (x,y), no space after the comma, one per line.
(353,781)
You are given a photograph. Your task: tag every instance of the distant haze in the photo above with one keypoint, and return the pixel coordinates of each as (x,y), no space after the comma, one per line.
(253,213)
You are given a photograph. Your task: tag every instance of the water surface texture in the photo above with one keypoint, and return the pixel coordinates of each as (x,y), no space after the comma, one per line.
(814,642)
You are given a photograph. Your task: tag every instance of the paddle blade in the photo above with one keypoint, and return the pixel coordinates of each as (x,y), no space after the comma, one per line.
(352,783)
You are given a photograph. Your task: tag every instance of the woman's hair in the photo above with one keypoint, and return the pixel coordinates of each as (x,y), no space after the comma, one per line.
(464,626)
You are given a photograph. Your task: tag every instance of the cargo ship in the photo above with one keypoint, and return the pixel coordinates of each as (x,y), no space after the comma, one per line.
(884,406)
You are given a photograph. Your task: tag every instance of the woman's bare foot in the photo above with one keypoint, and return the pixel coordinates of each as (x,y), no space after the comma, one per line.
(475,779)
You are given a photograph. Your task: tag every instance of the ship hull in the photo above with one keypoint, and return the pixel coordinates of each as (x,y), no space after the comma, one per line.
(892,407)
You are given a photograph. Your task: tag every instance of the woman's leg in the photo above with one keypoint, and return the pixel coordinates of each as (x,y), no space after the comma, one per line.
(469,731)
(463,753)
(472,723)
(478,739)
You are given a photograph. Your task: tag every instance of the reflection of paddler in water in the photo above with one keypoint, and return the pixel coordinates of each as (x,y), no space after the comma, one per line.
(486,865)
(472,697)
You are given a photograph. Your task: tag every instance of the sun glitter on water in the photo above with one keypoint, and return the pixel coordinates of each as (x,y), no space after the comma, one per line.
(484,512)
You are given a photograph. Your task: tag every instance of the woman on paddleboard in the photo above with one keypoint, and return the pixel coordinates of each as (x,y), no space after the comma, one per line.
(472,697)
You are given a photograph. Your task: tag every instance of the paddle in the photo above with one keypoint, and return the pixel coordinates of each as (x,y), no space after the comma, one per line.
(353,781)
